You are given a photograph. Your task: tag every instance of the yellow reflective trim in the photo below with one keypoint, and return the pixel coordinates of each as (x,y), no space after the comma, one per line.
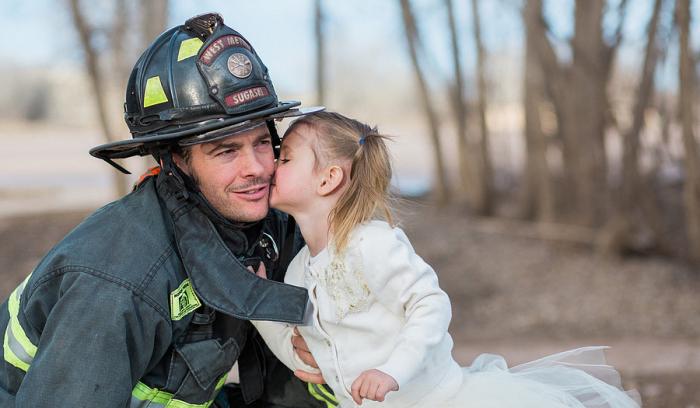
(145,393)
(189,48)
(20,335)
(154,93)
(320,393)
(11,357)
(182,404)
(221,383)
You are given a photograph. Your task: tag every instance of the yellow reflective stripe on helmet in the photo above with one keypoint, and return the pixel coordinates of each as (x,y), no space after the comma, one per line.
(18,350)
(154,93)
(322,394)
(144,396)
(189,48)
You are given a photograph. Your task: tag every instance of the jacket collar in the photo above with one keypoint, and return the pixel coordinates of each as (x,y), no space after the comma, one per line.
(217,276)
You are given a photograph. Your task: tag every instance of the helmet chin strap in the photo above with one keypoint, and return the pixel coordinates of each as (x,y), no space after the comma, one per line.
(187,189)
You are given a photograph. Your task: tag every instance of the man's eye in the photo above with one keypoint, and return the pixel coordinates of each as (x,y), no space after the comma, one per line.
(226,152)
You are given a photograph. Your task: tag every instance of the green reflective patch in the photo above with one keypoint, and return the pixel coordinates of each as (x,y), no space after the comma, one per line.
(154,93)
(189,48)
(183,301)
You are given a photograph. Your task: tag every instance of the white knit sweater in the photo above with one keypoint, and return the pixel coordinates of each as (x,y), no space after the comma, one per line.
(379,306)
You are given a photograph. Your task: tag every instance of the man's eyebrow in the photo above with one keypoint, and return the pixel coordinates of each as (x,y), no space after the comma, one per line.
(223,145)
(263,136)
(218,145)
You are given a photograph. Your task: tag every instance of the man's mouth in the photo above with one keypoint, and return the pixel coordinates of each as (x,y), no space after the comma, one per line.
(253,193)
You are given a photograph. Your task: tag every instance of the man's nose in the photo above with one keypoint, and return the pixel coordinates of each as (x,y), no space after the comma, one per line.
(252,163)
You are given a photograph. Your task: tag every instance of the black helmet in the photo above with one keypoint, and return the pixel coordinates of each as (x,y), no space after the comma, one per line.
(195,83)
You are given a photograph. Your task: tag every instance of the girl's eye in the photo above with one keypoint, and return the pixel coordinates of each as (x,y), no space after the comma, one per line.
(284,160)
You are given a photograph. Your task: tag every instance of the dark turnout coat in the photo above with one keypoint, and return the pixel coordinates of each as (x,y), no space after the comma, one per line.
(146,303)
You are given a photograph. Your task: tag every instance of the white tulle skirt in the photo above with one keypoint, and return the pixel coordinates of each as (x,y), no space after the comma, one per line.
(575,378)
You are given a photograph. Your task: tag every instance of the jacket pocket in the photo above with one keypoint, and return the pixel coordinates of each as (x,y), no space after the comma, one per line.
(206,363)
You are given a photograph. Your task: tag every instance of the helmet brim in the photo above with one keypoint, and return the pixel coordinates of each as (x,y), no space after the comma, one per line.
(143,145)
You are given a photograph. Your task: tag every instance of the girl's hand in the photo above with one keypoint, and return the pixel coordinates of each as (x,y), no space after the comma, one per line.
(373,385)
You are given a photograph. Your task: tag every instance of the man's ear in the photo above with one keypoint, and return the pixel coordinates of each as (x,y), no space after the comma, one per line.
(181,163)
(331,180)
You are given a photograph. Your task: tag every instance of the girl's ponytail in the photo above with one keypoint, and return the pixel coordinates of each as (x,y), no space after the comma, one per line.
(367,193)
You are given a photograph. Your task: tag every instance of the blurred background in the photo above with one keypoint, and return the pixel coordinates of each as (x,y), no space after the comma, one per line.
(545,150)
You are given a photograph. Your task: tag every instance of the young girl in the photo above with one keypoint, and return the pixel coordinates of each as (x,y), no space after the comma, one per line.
(378,326)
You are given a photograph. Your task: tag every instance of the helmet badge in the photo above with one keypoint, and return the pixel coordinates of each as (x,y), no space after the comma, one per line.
(239,65)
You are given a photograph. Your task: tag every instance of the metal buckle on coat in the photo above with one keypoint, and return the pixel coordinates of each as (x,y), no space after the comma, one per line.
(267,243)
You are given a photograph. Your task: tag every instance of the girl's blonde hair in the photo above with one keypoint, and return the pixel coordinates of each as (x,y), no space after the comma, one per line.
(341,138)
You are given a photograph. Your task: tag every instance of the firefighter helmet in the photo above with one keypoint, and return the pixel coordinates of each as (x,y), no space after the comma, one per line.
(195,83)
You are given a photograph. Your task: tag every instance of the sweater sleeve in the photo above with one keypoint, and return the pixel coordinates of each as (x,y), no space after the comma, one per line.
(408,286)
(278,337)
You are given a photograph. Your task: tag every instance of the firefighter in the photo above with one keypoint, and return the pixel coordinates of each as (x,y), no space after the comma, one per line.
(147,302)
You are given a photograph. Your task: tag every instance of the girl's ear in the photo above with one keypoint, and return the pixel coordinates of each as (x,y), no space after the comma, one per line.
(331,180)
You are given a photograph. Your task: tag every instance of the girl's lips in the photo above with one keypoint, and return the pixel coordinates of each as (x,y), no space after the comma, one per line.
(253,194)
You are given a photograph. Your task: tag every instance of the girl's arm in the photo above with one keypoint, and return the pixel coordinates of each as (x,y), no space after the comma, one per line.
(407,285)
(278,337)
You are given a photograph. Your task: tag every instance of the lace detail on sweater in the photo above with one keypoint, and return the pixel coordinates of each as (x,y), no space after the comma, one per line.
(345,283)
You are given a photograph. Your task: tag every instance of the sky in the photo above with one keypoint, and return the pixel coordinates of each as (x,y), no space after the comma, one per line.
(281,30)
(359,32)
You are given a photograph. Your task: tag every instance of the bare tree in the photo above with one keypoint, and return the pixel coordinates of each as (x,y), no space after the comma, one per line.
(412,38)
(154,19)
(85,32)
(319,20)
(485,198)
(621,230)
(538,200)
(691,190)
(468,178)
(118,39)
(582,119)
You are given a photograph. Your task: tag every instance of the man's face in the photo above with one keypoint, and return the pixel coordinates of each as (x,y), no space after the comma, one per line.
(234,173)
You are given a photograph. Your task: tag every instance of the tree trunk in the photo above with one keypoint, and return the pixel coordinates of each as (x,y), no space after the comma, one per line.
(537,197)
(584,126)
(97,82)
(154,19)
(621,229)
(320,53)
(118,37)
(411,32)
(691,189)
(465,155)
(485,197)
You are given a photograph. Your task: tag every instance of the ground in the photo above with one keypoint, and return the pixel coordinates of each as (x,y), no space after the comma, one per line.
(512,295)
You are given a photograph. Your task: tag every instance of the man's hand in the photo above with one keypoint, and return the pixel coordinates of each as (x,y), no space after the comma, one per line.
(261,272)
(372,385)
(302,351)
